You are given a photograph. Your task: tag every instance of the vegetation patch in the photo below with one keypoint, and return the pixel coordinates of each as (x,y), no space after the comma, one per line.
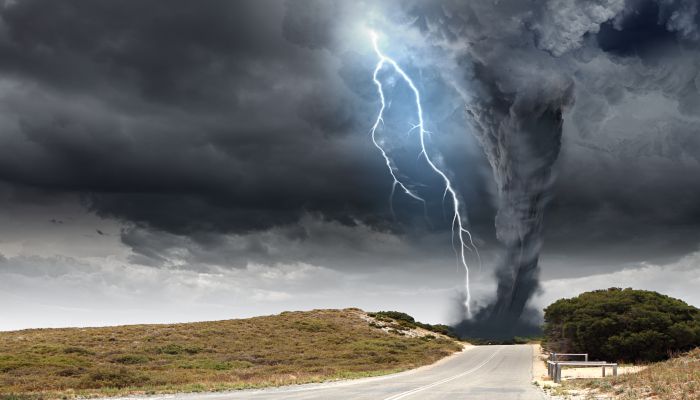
(402,322)
(111,378)
(217,365)
(622,325)
(77,350)
(177,349)
(677,378)
(290,348)
(131,359)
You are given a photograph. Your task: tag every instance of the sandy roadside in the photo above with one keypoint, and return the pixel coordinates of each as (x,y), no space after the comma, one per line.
(539,369)
(539,366)
(542,380)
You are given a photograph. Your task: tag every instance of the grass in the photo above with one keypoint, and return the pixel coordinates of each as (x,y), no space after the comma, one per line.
(290,348)
(677,378)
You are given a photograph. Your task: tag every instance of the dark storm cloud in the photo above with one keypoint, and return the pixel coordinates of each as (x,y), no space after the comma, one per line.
(631,144)
(186,117)
(220,119)
(312,240)
(630,147)
(221,116)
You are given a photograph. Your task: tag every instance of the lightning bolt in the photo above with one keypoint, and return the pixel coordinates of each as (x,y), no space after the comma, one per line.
(373,134)
(458,230)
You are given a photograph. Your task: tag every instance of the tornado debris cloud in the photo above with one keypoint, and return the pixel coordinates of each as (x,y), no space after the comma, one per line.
(520,134)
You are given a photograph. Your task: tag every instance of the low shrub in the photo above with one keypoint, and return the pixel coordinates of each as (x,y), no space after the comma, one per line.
(404,322)
(175,349)
(622,325)
(131,359)
(77,350)
(110,378)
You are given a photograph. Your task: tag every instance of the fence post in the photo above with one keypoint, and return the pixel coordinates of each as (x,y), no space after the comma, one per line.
(615,370)
(586,357)
(557,373)
(603,371)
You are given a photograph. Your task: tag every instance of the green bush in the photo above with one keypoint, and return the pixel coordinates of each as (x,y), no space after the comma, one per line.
(395,315)
(406,322)
(440,328)
(216,365)
(131,359)
(622,325)
(77,350)
(314,325)
(113,379)
(175,349)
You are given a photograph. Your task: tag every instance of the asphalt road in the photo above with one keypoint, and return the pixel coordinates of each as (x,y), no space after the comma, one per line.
(480,373)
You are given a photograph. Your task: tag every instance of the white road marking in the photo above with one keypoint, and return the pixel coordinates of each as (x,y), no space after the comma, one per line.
(426,387)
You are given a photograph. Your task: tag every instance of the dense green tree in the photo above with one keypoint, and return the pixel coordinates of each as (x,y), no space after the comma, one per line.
(622,325)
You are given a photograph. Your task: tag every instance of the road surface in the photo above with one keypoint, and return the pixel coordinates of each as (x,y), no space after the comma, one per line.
(479,373)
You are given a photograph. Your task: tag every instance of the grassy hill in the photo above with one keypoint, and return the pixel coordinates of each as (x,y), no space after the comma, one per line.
(290,348)
(677,378)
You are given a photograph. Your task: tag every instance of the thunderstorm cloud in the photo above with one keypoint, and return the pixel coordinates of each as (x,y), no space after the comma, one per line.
(226,143)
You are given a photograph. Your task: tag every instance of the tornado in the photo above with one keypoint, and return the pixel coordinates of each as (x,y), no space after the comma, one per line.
(513,63)
(520,132)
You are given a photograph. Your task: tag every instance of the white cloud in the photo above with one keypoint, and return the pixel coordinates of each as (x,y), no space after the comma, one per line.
(565,22)
(43,292)
(63,291)
(680,279)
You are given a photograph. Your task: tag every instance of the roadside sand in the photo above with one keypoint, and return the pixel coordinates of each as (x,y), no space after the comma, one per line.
(539,369)
(539,366)
(575,373)
(540,378)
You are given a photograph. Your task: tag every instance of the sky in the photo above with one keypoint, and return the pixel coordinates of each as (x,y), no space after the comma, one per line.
(184,161)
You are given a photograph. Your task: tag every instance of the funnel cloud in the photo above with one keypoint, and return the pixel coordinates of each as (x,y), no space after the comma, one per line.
(521,78)
(521,136)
